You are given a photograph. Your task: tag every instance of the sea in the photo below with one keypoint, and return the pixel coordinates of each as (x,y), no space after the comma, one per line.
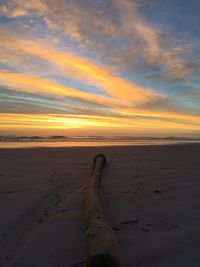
(81,141)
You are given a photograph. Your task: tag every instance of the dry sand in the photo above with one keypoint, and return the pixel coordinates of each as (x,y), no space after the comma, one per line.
(151,194)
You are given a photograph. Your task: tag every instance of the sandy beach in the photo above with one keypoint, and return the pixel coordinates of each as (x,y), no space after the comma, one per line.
(151,195)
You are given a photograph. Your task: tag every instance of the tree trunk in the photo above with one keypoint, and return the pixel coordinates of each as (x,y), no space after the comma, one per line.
(102,246)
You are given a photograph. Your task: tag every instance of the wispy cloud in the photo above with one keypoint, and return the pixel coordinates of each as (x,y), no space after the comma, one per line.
(99,63)
(73,20)
(159,48)
(99,124)
(71,65)
(27,83)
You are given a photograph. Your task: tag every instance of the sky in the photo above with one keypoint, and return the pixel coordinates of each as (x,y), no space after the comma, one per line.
(100,67)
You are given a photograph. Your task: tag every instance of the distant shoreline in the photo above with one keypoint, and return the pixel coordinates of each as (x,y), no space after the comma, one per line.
(91,143)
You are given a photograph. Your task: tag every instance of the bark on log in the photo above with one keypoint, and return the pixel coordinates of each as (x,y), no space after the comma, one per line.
(102,246)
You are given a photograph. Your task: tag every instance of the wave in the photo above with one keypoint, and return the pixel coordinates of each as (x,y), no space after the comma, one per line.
(60,138)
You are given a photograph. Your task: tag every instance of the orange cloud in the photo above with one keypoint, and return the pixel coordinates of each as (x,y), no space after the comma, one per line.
(125,118)
(69,18)
(81,69)
(165,116)
(114,125)
(31,84)
(123,96)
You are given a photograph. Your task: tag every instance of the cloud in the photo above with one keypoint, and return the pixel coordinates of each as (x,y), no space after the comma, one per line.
(19,8)
(125,100)
(155,47)
(142,116)
(17,100)
(80,123)
(149,116)
(71,18)
(94,44)
(112,22)
(82,69)
(28,83)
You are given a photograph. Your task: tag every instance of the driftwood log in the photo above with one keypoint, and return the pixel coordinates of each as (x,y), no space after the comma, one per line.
(102,246)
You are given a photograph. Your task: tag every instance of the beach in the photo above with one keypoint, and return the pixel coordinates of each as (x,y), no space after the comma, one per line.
(150,193)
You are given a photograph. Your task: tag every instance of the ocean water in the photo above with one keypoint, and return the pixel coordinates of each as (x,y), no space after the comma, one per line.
(77,141)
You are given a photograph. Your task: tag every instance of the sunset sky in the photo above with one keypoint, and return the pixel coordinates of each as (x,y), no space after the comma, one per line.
(100,67)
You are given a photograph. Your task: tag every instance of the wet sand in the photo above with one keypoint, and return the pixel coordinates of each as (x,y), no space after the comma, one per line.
(151,194)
